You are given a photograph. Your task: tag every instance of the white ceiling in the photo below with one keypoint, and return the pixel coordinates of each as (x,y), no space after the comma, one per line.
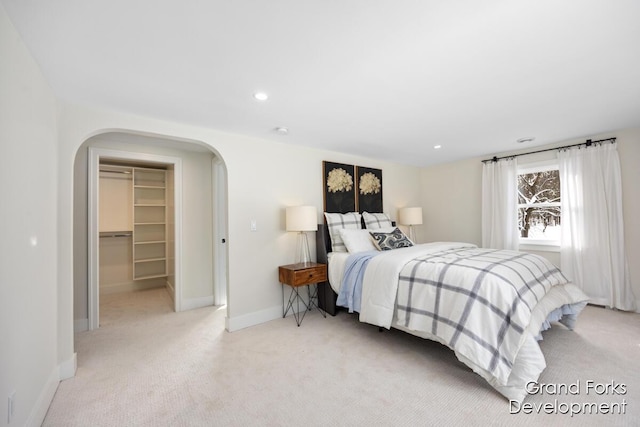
(384,79)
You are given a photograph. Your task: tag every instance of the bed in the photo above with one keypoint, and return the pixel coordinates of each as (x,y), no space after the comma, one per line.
(488,306)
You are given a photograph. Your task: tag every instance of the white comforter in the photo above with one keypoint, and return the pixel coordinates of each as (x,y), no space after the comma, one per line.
(381,280)
(506,365)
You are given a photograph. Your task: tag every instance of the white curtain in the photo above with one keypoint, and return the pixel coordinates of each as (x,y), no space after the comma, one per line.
(592,237)
(499,204)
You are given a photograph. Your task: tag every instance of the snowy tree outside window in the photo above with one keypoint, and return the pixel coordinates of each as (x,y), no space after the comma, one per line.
(539,205)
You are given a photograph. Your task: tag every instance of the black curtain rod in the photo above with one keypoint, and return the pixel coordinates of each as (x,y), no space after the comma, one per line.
(588,143)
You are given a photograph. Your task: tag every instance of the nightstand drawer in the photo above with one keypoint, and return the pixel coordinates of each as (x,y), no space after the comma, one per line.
(303,276)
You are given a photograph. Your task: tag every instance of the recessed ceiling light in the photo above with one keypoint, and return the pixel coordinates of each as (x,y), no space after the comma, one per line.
(261,96)
(437,147)
(525,139)
(282,130)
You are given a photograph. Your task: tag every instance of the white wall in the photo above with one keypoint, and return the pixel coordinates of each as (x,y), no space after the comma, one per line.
(116,269)
(452,198)
(629,150)
(263,177)
(28,258)
(116,202)
(197,213)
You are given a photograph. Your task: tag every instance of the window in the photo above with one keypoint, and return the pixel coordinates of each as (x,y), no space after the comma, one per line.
(539,204)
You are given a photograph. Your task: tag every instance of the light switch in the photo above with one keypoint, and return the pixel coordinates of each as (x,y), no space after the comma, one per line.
(254,225)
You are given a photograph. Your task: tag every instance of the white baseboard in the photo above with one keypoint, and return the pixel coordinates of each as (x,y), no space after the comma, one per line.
(68,368)
(240,322)
(192,303)
(39,411)
(171,290)
(80,325)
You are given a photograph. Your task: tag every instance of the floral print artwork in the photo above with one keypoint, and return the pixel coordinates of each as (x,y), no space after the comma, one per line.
(369,183)
(339,188)
(350,188)
(339,180)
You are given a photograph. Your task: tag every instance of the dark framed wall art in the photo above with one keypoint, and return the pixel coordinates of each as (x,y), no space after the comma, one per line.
(368,189)
(339,187)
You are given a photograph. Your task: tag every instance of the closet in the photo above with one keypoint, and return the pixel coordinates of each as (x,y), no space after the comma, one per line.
(133,225)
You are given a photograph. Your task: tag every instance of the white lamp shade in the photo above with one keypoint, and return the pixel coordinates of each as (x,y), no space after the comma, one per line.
(410,216)
(302,218)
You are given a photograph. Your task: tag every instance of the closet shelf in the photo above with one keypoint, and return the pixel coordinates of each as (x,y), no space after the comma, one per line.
(150,276)
(150,242)
(149,223)
(149,260)
(149,186)
(150,205)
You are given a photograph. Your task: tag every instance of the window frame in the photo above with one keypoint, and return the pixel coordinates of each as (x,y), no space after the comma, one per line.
(526,243)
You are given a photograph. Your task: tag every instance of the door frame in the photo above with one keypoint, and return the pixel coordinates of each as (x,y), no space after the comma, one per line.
(95,155)
(220,278)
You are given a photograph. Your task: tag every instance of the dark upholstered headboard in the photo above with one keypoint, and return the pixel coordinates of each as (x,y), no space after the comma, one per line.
(326,296)
(323,243)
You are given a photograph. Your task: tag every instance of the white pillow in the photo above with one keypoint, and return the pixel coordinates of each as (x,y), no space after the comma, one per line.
(338,221)
(357,240)
(374,221)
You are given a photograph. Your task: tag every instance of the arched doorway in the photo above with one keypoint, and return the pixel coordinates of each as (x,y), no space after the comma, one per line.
(199,201)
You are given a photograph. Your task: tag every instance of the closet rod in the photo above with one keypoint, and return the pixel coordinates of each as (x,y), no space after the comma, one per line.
(113,171)
(587,143)
(115,234)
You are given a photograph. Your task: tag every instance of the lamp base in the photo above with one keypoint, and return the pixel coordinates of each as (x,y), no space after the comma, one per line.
(412,236)
(302,252)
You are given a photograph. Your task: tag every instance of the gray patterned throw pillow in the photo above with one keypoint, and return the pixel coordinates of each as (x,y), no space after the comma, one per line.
(393,240)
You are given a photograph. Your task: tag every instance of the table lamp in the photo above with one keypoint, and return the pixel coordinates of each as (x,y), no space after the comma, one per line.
(410,217)
(302,219)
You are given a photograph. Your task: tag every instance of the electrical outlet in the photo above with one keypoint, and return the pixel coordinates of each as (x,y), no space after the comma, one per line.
(11,406)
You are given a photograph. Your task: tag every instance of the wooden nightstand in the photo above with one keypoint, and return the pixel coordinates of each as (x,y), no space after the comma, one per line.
(297,275)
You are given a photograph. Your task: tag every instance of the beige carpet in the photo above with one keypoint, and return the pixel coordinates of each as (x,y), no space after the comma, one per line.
(148,366)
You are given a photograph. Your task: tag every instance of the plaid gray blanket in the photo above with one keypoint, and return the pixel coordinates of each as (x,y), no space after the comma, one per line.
(478,301)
